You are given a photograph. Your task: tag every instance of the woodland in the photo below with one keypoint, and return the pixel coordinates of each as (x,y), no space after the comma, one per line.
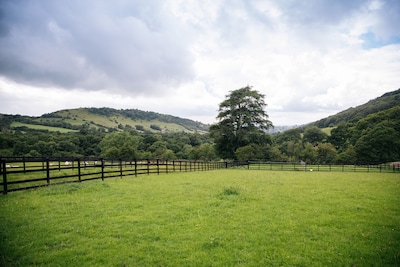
(367,134)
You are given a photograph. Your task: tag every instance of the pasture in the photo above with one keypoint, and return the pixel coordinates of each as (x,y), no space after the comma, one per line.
(230,217)
(42,127)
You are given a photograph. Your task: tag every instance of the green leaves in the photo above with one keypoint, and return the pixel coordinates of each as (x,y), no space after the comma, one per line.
(242,121)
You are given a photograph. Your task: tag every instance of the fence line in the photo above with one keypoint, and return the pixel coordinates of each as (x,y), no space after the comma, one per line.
(20,173)
(301,166)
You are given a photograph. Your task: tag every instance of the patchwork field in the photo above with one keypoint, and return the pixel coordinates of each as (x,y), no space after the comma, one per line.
(212,218)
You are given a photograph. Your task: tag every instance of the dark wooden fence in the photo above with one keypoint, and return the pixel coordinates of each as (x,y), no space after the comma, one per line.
(20,173)
(301,166)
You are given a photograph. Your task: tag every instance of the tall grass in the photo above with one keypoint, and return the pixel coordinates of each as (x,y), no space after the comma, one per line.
(215,218)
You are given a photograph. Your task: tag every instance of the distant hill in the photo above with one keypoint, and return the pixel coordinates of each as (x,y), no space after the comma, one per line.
(110,120)
(104,119)
(354,114)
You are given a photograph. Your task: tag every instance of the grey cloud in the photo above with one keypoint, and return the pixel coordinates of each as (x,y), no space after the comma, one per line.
(388,24)
(320,12)
(93,45)
(302,104)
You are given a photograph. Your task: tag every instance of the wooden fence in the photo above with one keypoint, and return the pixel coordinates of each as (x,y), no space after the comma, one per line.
(20,173)
(301,166)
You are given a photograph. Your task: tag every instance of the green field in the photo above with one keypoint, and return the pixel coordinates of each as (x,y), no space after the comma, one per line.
(83,116)
(42,127)
(214,218)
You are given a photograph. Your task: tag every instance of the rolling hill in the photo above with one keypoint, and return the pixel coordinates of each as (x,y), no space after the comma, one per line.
(110,120)
(103,119)
(354,114)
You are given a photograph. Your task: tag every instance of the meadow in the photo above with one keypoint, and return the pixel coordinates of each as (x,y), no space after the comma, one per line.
(230,217)
(42,127)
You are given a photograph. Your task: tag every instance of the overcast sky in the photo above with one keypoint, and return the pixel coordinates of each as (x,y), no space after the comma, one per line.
(310,58)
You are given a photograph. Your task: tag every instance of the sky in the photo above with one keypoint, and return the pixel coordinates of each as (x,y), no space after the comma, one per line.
(311,58)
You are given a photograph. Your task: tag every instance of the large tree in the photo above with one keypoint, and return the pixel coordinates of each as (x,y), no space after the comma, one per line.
(242,121)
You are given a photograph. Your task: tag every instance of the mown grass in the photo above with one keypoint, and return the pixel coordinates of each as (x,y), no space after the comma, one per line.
(214,218)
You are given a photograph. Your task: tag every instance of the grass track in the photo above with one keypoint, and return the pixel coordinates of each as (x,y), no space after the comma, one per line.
(214,218)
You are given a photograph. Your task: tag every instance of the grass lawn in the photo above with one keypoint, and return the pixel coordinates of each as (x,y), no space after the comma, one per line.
(213,218)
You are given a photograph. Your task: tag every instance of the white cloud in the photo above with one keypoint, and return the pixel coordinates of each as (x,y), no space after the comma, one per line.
(182,57)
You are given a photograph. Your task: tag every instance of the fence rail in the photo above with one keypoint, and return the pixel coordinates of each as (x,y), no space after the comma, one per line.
(297,166)
(20,173)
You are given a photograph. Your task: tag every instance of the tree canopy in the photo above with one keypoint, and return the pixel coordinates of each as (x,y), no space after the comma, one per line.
(242,121)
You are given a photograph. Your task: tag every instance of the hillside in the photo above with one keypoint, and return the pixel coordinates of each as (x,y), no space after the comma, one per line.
(104,119)
(110,120)
(354,114)
(367,134)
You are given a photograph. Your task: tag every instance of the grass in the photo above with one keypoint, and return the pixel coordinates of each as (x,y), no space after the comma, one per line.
(42,127)
(327,130)
(213,218)
(34,173)
(82,116)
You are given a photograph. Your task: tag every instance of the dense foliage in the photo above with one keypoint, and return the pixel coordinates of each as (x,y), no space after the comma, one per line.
(372,140)
(386,101)
(240,134)
(110,145)
(242,125)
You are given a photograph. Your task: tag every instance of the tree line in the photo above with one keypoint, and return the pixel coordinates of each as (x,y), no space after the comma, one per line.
(239,134)
(126,144)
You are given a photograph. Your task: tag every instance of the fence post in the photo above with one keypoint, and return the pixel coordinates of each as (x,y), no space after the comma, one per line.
(166,166)
(79,170)
(120,168)
(4,171)
(135,167)
(148,167)
(102,169)
(23,163)
(47,170)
